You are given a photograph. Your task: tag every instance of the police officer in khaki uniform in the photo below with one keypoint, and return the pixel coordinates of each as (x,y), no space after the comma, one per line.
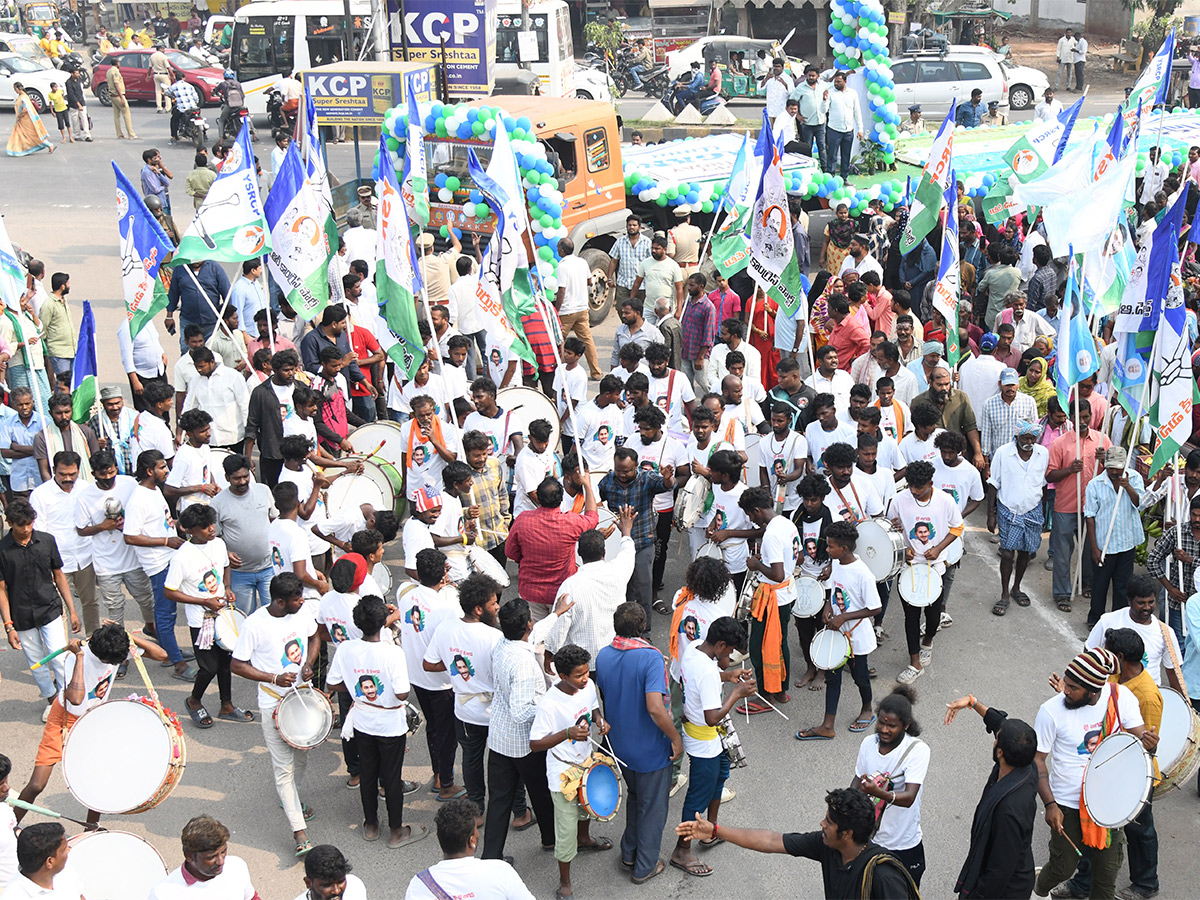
(438,268)
(683,242)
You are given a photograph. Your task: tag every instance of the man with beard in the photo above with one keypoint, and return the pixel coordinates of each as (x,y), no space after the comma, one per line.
(859,258)
(852,497)
(833,378)
(791,393)
(1000,859)
(669,391)
(1069,726)
(783,458)
(730,337)
(661,277)
(954,411)
(207,867)
(655,451)
(698,328)
(848,336)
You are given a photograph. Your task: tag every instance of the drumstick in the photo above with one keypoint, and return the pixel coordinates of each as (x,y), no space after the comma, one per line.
(45,659)
(770,704)
(1072,843)
(41,810)
(745,705)
(608,750)
(371,455)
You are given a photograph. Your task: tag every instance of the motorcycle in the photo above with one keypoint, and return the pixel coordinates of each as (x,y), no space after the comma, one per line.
(70,22)
(69,62)
(655,80)
(194,128)
(278,119)
(704,102)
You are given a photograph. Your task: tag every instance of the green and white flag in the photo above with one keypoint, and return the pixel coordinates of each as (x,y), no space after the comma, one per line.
(415,183)
(230,225)
(396,275)
(144,246)
(730,244)
(927,199)
(299,256)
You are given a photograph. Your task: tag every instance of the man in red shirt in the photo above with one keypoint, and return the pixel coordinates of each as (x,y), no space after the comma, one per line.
(848,336)
(546,537)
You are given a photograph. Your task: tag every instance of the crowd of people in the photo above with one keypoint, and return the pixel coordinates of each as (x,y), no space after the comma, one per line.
(819,467)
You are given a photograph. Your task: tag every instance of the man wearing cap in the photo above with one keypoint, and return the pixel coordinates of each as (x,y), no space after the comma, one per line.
(979,376)
(970,115)
(1018,472)
(113,426)
(924,366)
(859,259)
(437,269)
(1071,471)
(416,536)
(914,124)
(954,409)
(366,205)
(994,117)
(683,245)
(1003,413)
(1112,536)
(1070,725)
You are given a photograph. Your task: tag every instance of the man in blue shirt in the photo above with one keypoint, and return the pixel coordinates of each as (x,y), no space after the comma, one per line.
(247,296)
(970,115)
(156,178)
(16,439)
(632,677)
(196,296)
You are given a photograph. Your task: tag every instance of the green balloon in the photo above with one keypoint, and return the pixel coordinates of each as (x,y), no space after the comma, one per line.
(547,221)
(661,200)
(444,231)
(518,134)
(477,128)
(440,128)
(546,253)
(706,206)
(482,210)
(672,193)
(453,183)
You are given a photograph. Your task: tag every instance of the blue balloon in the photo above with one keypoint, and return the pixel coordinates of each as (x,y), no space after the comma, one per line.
(457,233)
(430,123)
(436,110)
(509,123)
(464,130)
(472,115)
(476,197)
(524,122)
(694,187)
(692,197)
(989,180)
(440,179)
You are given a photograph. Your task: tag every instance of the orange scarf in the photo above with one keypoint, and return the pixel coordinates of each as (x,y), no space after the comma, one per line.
(1093,834)
(416,429)
(765,609)
(685,594)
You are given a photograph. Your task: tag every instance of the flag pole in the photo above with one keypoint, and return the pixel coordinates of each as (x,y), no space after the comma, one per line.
(1077,581)
(270,325)
(203,293)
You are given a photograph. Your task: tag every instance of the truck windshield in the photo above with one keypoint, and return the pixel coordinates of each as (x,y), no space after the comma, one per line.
(508,47)
(450,158)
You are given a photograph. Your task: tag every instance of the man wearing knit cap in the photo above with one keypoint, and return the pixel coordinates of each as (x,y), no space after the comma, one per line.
(1070,725)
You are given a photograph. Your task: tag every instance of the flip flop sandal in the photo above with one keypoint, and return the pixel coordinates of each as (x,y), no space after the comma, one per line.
(238,715)
(699,869)
(187,676)
(303,849)
(660,607)
(713,842)
(861,725)
(752,708)
(460,794)
(199,716)
(532,821)
(1063,604)
(307,811)
(630,865)
(658,869)
(366,836)
(416,833)
(598,845)
(1021,597)
(1000,607)
(809,734)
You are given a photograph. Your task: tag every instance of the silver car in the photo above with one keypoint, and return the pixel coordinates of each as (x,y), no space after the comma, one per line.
(934,80)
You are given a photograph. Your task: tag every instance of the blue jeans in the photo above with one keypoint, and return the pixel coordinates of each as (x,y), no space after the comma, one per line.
(1062,543)
(164,617)
(706,778)
(645,817)
(636,72)
(840,144)
(1142,841)
(251,589)
(364,408)
(810,133)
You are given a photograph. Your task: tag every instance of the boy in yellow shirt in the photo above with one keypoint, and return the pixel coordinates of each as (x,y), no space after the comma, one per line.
(58,102)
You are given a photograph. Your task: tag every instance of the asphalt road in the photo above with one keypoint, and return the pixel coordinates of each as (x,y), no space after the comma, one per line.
(60,207)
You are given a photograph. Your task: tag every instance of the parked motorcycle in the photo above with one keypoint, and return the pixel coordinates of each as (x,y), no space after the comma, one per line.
(194,128)
(72,24)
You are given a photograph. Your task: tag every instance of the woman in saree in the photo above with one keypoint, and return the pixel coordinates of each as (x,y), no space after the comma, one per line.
(1036,384)
(819,320)
(28,134)
(762,338)
(838,234)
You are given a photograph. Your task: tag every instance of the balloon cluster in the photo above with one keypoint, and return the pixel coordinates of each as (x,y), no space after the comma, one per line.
(809,183)
(858,38)
(543,199)
(693,195)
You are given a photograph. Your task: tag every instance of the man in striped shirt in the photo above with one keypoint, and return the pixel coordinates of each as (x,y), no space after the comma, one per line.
(627,255)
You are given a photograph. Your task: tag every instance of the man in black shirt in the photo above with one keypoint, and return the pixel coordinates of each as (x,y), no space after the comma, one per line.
(791,394)
(31,583)
(852,867)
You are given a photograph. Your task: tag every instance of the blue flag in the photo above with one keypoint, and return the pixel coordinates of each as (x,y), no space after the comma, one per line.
(144,247)
(1067,117)
(83,373)
(1075,347)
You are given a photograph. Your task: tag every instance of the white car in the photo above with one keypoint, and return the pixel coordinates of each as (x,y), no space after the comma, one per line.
(592,84)
(36,80)
(934,80)
(25,45)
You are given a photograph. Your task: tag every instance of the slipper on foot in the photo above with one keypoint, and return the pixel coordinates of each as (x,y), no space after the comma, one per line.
(532,821)
(460,794)
(200,716)
(238,715)
(598,845)
(861,725)
(415,833)
(658,869)
(809,735)
(699,869)
(302,849)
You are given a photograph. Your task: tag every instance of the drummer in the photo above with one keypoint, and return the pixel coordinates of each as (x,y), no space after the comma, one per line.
(91,669)
(853,598)
(417,534)
(262,655)
(207,866)
(198,577)
(1070,725)
(727,524)
(812,518)
(505,428)
(783,456)
(962,481)
(306,404)
(930,521)
(426,447)
(457,525)
(1127,646)
(853,496)
(562,729)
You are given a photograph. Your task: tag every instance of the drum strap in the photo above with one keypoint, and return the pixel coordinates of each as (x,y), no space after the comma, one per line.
(141,667)
(439,893)
(1167,635)
(854,491)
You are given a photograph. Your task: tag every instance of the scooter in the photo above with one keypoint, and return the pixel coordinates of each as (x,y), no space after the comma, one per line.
(275,114)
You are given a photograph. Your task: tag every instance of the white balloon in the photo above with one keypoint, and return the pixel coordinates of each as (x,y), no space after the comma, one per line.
(445,195)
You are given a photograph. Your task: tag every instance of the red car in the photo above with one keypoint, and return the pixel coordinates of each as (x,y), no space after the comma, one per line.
(135,69)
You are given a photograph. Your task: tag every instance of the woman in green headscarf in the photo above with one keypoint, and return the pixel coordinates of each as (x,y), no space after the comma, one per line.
(1035,383)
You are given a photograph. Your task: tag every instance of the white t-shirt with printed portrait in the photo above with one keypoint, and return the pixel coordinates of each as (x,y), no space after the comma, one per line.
(599,429)
(374,673)
(289,545)
(728,516)
(336,612)
(857,501)
(697,615)
(666,451)
(670,394)
(925,525)
(819,439)
(424,609)
(899,826)
(97,678)
(779,458)
(198,570)
(962,482)
(852,588)
(465,648)
(781,544)
(274,644)
(557,711)
(425,465)
(303,478)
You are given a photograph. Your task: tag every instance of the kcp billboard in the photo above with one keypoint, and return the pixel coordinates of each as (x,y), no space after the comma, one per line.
(468,30)
(361,93)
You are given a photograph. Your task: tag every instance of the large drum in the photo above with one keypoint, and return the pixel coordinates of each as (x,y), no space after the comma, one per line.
(381,441)
(612,543)
(810,596)
(711,549)
(303,717)
(1178,749)
(600,791)
(227,627)
(689,505)
(919,585)
(481,561)
(383,577)
(388,479)
(1117,781)
(881,546)
(954,553)
(830,649)
(122,757)
(349,491)
(115,865)
(529,405)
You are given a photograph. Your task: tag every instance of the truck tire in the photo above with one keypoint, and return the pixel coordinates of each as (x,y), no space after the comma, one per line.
(599,299)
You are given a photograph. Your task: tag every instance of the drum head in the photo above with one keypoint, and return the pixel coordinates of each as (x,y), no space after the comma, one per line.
(600,791)
(383,577)
(1176,733)
(482,561)
(810,597)
(878,549)
(612,543)
(117,756)
(380,441)
(709,549)
(227,627)
(349,491)
(829,649)
(388,480)
(919,585)
(115,865)
(954,553)
(530,404)
(304,718)
(752,460)
(1117,780)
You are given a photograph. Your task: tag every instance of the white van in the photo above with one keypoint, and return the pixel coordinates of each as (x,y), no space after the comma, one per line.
(547,48)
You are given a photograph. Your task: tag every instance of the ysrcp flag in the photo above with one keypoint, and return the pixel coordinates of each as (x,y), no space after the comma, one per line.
(1042,145)
(415,182)
(144,246)
(771,245)
(230,225)
(1151,86)
(300,250)
(396,272)
(948,287)
(1171,359)
(1076,357)
(927,199)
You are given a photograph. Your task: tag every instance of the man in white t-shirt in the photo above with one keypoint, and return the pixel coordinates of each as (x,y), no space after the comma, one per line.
(1142,591)
(852,495)
(599,422)
(962,482)
(277,647)
(1070,725)
(536,460)
(572,301)
(826,429)
(55,502)
(327,876)
(728,526)
(669,390)
(903,760)
(416,534)
(207,871)
(461,873)
(782,456)
(426,444)
(570,385)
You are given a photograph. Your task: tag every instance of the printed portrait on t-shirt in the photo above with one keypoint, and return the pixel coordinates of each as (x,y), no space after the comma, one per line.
(847,514)
(951,490)
(810,549)
(841,599)
(495,357)
(293,653)
(777,466)
(1091,740)
(100,691)
(338,633)
(462,667)
(690,627)
(276,558)
(419,455)
(603,433)
(368,687)
(416,618)
(922,532)
(797,556)
(211,582)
